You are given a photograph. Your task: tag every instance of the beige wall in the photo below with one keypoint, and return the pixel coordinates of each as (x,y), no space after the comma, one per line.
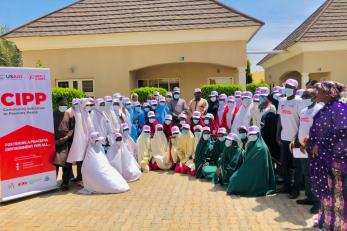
(320,65)
(113,68)
(190,75)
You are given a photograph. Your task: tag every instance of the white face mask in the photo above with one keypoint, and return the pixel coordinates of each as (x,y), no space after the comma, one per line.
(276,96)
(116,107)
(213,99)
(289,92)
(88,108)
(252,137)
(206,136)
(207,122)
(228,143)
(160,132)
(126,133)
(195,121)
(307,102)
(151,120)
(242,136)
(221,139)
(231,105)
(176,96)
(62,108)
(101,108)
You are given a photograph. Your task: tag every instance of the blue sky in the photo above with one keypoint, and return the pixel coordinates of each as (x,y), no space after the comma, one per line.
(281,17)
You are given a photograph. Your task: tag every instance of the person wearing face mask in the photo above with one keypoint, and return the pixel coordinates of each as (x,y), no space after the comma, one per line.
(151,122)
(197,104)
(243,116)
(63,132)
(128,111)
(153,104)
(175,131)
(162,110)
(177,105)
(306,121)
(129,142)
(232,110)
(156,95)
(134,97)
(210,166)
(83,129)
(167,126)
(98,174)
(168,97)
(138,120)
(196,120)
(122,160)
(160,149)
(222,112)
(261,107)
(255,107)
(184,149)
(238,98)
(203,151)
(100,121)
(144,147)
(209,122)
(197,135)
(146,108)
(120,113)
(287,127)
(242,133)
(230,161)
(258,162)
(110,114)
(183,119)
(213,103)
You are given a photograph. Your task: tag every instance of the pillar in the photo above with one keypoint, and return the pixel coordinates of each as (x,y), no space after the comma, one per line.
(304,79)
(242,76)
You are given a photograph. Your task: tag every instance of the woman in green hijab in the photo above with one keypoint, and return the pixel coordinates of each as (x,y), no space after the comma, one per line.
(231,160)
(256,176)
(203,151)
(211,165)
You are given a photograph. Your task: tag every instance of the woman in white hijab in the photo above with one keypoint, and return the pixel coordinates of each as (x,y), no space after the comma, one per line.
(160,149)
(129,142)
(98,174)
(145,151)
(111,116)
(100,121)
(121,159)
(243,116)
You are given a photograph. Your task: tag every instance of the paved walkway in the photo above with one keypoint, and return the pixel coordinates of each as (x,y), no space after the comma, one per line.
(159,201)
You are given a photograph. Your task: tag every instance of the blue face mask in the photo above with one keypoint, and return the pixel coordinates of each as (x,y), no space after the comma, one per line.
(221,103)
(146,109)
(252,138)
(246,102)
(138,109)
(151,120)
(242,136)
(207,122)
(101,108)
(206,136)
(228,143)
(195,121)
(128,106)
(184,132)
(176,96)
(221,139)
(146,134)
(126,133)
(162,104)
(262,99)
(167,122)
(289,92)
(182,122)
(307,102)
(197,134)
(108,104)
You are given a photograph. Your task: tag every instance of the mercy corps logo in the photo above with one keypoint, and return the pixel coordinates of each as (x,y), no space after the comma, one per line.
(37,77)
(11,77)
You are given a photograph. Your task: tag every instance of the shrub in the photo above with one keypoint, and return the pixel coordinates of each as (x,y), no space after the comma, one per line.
(65,92)
(227,89)
(144,92)
(253,86)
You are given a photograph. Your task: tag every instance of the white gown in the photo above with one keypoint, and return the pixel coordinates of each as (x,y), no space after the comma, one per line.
(242,118)
(122,160)
(98,174)
(145,151)
(132,146)
(161,151)
(101,123)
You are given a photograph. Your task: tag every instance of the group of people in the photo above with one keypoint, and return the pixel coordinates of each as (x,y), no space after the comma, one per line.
(237,141)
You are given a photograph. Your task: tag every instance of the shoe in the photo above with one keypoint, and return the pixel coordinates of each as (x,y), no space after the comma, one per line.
(64,188)
(76,179)
(315,209)
(293,195)
(305,201)
(283,190)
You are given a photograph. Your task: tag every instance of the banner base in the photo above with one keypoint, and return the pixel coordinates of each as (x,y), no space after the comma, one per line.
(27,194)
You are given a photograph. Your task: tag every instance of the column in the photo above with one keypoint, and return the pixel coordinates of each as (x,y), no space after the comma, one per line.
(304,79)
(242,76)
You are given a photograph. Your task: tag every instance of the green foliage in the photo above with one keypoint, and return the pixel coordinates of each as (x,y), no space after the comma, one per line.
(253,86)
(249,76)
(227,89)
(65,92)
(144,92)
(10,55)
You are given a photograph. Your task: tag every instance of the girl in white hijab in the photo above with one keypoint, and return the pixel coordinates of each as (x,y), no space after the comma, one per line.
(129,142)
(121,159)
(100,121)
(243,116)
(111,116)
(160,149)
(98,174)
(145,151)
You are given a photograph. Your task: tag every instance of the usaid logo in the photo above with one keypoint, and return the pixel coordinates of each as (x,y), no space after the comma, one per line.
(11,77)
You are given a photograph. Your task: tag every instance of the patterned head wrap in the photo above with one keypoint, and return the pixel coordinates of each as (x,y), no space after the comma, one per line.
(332,88)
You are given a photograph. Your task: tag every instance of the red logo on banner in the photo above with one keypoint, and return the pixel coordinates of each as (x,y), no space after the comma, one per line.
(18,99)
(26,151)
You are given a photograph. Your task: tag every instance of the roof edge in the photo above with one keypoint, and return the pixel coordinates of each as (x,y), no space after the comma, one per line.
(239,12)
(34,20)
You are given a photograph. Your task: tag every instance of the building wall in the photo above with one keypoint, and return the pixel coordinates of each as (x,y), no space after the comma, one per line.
(190,75)
(113,68)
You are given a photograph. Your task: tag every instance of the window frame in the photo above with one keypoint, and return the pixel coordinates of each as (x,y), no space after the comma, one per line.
(158,81)
(79,85)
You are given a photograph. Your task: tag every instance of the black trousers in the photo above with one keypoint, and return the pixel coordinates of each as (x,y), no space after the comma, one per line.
(287,161)
(67,173)
(79,173)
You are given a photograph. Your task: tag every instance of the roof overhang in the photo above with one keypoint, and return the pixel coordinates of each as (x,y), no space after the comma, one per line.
(135,38)
(301,47)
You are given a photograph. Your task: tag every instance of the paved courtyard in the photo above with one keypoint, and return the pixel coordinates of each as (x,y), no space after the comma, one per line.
(159,201)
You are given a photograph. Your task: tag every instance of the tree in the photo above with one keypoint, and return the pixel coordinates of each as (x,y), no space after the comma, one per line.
(249,77)
(10,55)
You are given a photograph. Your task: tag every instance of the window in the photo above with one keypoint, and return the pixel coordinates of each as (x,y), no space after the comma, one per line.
(221,80)
(86,85)
(167,84)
